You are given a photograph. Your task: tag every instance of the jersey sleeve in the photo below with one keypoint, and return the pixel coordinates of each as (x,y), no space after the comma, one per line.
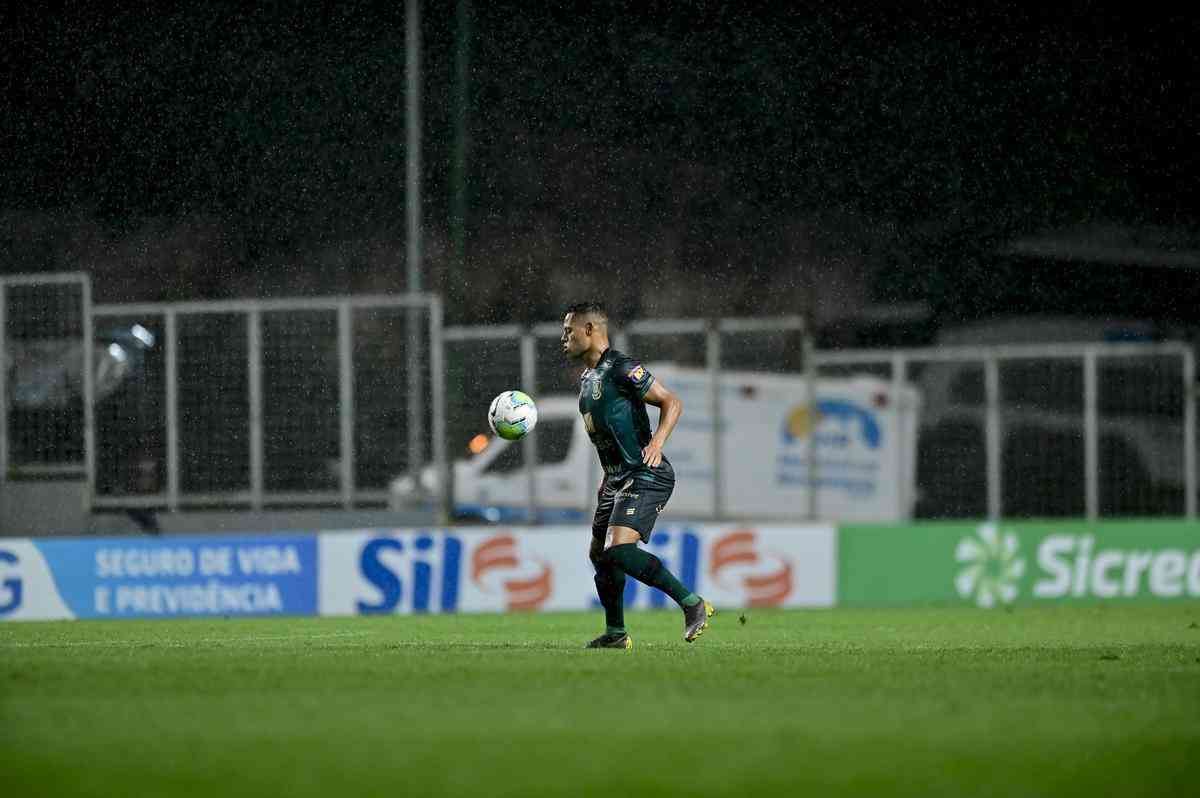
(634,377)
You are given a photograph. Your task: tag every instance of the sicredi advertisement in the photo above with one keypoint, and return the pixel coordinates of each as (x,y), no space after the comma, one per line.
(993,564)
(498,569)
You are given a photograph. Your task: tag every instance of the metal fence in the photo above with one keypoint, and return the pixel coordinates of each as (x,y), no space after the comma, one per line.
(1049,430)
(1075,430)
(47,380)
(329,401)
(269,403)
(482,361)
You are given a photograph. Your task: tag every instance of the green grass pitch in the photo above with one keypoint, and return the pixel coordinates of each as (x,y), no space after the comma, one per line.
(922,702)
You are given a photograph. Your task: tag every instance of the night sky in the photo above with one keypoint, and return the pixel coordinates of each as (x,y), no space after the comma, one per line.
(636,143)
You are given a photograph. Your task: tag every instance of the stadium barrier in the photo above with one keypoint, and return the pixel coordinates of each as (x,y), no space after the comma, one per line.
(1018,563)
(340,401)
(497,569)
(399,571)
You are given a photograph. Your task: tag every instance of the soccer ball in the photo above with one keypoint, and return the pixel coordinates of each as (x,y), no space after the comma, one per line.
(513,415)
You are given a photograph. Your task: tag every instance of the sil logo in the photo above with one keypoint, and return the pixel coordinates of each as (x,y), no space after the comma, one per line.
(526,583)
(735,561)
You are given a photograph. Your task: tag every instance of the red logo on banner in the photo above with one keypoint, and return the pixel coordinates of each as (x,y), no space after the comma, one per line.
(521,592)
(737,554)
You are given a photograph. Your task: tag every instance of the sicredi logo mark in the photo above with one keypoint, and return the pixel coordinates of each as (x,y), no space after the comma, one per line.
(766,579)
(991,570)
(526,584)
(10,587)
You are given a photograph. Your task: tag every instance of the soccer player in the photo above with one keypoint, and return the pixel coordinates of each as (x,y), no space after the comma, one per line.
(638,479)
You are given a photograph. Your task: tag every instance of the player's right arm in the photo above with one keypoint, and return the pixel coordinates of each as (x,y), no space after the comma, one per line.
(670,409)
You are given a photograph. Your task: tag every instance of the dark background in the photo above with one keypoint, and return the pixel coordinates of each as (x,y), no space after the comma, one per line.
(672,158)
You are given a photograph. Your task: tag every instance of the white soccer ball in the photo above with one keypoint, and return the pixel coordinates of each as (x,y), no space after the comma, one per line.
(513,415)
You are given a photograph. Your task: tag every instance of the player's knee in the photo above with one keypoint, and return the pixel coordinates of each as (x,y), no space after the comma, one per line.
(620,535)
(641,565)
(596,553)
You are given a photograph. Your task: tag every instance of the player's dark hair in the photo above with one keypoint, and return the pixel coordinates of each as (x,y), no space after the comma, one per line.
(589,308)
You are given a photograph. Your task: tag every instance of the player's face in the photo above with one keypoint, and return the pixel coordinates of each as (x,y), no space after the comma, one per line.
(576,336)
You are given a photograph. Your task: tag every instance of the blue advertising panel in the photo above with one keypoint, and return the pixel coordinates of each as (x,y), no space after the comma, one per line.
(213,575)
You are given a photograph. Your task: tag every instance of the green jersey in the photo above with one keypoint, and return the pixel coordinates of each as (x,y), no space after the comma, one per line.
(611,399)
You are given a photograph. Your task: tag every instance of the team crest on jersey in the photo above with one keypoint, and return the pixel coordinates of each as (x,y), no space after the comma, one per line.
(595,389)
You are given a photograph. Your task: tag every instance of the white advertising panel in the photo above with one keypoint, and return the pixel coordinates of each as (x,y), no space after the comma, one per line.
(495,569)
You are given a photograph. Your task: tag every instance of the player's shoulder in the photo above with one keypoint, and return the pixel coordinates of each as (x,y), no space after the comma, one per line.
(621,364)
(616,358)
(630,371)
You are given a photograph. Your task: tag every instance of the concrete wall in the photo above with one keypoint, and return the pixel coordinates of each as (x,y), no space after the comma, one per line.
(59,507)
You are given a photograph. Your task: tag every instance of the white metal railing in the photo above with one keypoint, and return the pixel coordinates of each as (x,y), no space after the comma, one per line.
(996,418)
(513,355)
(1176,364)
(261,403)
(209,460)
(47,379)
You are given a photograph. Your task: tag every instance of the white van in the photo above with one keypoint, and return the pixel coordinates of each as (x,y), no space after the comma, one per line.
(864,442)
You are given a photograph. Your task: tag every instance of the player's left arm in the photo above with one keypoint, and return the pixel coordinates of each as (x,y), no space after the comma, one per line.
(670,409)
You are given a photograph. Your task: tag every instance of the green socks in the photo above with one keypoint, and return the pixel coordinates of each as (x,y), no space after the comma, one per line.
(610,587)
(648,569)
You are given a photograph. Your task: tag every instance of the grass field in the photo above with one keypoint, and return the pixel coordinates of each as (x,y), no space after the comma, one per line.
(1093,701)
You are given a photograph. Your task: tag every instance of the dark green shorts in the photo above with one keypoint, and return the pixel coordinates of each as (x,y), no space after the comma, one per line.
(633,502)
